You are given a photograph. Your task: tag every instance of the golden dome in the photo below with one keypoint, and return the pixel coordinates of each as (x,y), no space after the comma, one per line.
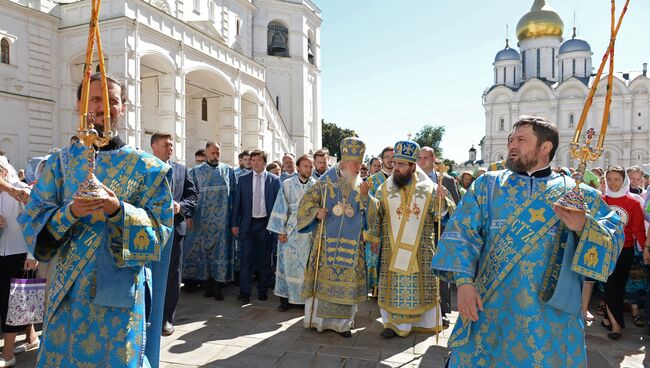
(541,21)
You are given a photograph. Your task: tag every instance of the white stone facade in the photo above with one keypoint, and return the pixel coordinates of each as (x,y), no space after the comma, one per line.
(198,69)
(554,82)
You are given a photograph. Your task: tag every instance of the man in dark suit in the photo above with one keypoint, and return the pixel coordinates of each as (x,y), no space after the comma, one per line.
(185,199)
(254,200)
(427,162)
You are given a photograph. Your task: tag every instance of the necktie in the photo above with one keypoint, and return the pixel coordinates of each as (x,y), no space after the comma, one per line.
(257,197)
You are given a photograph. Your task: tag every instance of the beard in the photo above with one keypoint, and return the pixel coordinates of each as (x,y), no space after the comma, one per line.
(521,163)
(402,180)
(349,176)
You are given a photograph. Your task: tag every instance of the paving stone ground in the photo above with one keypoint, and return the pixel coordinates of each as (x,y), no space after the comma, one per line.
(227,334)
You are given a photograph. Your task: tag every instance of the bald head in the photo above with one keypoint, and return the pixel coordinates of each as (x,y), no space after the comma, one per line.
(427,159)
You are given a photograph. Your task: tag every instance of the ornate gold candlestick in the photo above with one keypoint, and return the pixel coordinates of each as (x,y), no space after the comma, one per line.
(91,188)
(574,199)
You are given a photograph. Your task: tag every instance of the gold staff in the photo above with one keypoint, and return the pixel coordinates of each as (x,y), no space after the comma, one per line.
(441,169)
(320,241)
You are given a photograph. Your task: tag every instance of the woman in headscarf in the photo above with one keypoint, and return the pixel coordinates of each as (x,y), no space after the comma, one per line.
(618,197)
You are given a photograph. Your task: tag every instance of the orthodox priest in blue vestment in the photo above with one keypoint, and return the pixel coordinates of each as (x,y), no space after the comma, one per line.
(519,260)
(339,209)
(209,253)
(98,249)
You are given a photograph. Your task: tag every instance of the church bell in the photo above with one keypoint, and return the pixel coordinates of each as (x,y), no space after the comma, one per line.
(278,45)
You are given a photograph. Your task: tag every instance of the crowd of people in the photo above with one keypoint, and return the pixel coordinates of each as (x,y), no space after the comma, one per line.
(397,228)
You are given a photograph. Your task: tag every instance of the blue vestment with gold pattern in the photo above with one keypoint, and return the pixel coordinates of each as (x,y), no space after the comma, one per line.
(341,282)
(372,260)
(95,313)
(209,251)
(293,254)
(527,268)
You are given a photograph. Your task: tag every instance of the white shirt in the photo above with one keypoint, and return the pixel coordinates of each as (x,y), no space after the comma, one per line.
(12,240)
(262,210)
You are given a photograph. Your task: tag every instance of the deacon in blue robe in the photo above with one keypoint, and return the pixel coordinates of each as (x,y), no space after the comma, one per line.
(96,297)
(510,248)
(375,181)
(209,249)
(293,253)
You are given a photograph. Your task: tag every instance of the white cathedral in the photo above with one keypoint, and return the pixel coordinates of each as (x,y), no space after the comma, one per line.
(245,73)
(550,77)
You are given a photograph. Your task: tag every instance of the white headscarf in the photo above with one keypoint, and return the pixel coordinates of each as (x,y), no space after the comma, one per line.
(625,188)
(12,176)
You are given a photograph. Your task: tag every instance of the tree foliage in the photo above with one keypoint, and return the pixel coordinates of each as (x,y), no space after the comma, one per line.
(430,136)
(332,136)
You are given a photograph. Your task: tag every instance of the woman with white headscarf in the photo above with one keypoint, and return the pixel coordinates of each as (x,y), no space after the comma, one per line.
(14,258)
(617,196)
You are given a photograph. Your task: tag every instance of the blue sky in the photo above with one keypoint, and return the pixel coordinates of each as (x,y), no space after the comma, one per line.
(389,67)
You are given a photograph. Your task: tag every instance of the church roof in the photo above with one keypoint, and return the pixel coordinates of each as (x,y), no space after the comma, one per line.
(507,54)
(541,21)
(575,44)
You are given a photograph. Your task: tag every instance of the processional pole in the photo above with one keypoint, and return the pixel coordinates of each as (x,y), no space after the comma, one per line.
(574,200)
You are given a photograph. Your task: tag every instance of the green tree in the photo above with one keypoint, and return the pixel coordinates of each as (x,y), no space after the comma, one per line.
(449,163)
(332,136)
(431,136)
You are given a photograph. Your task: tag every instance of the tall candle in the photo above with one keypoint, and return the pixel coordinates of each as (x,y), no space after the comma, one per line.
(102,69)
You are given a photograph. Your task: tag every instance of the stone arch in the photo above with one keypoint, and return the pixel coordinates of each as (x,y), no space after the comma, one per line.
(618,87)
(571,88)
(534,90)
(311,47)
(500,94)
(277,38)
(640,84)
(155,105)
(204,83)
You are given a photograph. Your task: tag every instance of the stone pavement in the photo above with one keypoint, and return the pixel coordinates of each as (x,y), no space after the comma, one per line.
(227,334)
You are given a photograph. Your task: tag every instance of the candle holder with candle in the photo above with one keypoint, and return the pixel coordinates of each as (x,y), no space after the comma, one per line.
(573,200)
(91,188)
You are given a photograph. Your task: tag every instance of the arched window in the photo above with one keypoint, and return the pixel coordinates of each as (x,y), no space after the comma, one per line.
(238,27)
(310,52)
(277,40)
(204,109)
(212,11)
(523,64)
(4,51)
(571,120)
(502,124)
(539,63)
